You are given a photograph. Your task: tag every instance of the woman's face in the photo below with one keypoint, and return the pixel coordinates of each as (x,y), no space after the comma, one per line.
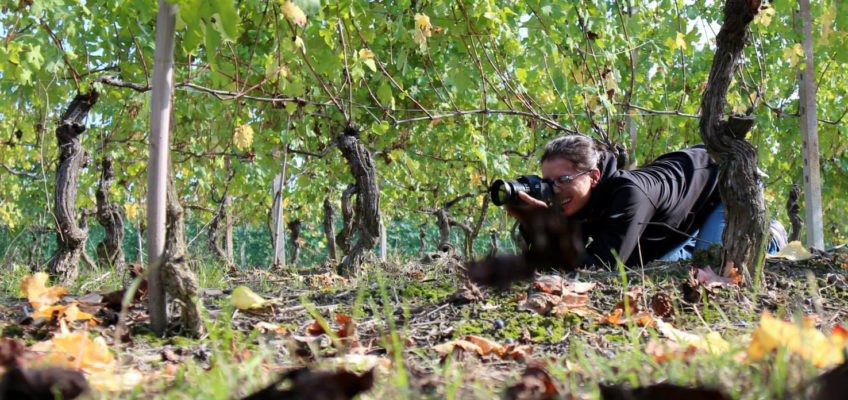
(572,195)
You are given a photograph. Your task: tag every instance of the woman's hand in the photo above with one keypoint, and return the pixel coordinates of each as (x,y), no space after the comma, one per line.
(522,212)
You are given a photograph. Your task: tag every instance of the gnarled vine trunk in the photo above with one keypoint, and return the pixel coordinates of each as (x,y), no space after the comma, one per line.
(70,235)
(346,234)
(176,276)
(364,171)
(793,211)
(111,217)
(744,233)
(294,234)
(222,252)
(329,230)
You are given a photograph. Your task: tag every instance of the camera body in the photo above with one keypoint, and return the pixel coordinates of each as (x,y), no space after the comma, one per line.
(506,192)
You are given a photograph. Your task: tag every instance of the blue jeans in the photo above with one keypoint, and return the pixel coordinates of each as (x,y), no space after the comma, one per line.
(709,233)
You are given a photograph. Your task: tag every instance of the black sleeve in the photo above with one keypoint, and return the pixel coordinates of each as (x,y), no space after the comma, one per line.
(619,229)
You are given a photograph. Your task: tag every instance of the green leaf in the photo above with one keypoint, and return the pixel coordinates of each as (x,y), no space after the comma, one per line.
(370,63)
(228,19)
(384,94)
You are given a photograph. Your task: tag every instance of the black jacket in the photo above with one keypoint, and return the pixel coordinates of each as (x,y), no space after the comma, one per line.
(633,212)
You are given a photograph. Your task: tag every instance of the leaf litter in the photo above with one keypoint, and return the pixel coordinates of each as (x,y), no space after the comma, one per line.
(449,330)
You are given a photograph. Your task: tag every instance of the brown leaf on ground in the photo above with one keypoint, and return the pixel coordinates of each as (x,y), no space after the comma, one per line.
(466,294)
(709,279)
(571,303)
(483,347)
(618,317)
(834,384)
(112,300)
(662,304)
(11,352)
(315,329)
(347,328)
(317,385)
(326,280)
(663,351)
(515,351)
(549,284)
(239,356)
(662,391)
(631,305)
(535,384)
(557,296)
(631,299)
(540,302)
(42,384)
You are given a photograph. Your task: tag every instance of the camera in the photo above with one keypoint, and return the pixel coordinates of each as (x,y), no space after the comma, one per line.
(506,192)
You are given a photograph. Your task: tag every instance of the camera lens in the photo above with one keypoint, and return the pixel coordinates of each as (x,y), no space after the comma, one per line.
(501,192)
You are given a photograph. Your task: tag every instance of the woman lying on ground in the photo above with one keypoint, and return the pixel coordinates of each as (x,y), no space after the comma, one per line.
(661,211)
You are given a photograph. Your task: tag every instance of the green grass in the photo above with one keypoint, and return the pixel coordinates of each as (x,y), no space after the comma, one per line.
(398,315)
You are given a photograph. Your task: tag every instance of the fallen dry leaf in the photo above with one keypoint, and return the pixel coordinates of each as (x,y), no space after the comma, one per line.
(466,294)
(539,302)
(483,347)
(618,317)
(535,384)
(806,341)
(40,296)
(245,299)
(549,284)
(631,305)
(78,351)
(267,327)
(711,343)
(68,313)
(327,280)
(794,251)
(709,279)
(557,296)
(663,351)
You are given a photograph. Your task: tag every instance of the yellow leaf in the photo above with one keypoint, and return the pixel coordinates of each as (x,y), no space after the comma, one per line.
(40,296)
(827,23)
(794,251)
(712,342)
(765,15)
(793,54)
(365,53)
(79,352)
(420,38)
(245,299)
(131,210)
(243,136)
(293,12)
(65,313)
(73,313)
(680,41)
(422,22)
(804,341)
(422,30)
